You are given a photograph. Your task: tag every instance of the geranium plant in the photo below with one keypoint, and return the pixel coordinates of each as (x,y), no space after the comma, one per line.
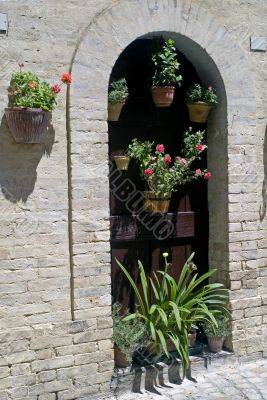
(166,66)
(27,91)
(198,93)
(162,174)
(118,91)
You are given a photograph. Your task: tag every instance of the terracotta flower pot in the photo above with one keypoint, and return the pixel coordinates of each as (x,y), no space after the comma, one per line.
(28,125)
(192,335)
(199,111)
(122,162)
(215,343)
(156,204)
(114,110)
(162,95)
(120,358)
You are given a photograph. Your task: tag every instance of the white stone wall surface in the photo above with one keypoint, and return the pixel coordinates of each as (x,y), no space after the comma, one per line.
(44,355)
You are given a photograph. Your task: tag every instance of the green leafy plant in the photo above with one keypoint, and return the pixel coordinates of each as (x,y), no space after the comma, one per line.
(177,305)
(221,328)
(27,91)
(117,91)
(128,335)
(157,169)
(200,93)
(166,66)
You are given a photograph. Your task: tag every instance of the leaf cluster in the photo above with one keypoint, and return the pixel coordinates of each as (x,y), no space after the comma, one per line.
(166,65)
(200,93)
(221,328)
(24,96)
(177,306)
(117,91)
(128,335)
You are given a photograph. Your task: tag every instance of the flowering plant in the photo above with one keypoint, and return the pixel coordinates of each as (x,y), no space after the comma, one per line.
(200,93)
(166,66)
(117,91)
(163,174)
(27,91)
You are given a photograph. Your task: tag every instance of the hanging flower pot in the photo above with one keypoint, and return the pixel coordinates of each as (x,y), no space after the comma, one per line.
(28,125)
(162,95)
(200,101)
(114,110)
(31,103)
(117,95)
(154,203)
(122,162)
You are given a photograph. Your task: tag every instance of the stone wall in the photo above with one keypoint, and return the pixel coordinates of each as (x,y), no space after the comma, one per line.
(44,355)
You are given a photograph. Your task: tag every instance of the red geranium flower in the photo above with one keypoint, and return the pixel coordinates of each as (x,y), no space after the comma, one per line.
(210,88)
(199,147)
(32,84)
(56,88)
(160,148)
(148,172)
(198,172)
(168,159)
(66,78)
(207,175)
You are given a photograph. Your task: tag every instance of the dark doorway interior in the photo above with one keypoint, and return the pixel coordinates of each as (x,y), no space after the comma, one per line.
(188,209)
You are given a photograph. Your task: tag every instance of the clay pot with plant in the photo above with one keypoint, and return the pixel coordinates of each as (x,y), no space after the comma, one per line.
(117,96)
(164,175)
(165,77)
(31,103)
(200,100)
(217,330)
(128,336)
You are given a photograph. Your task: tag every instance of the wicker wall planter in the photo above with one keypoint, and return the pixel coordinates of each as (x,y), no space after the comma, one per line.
(155,204)
(199,111)
(114,110)
(28,125)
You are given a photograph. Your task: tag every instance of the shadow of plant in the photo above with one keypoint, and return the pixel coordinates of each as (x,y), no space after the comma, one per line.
(19,162)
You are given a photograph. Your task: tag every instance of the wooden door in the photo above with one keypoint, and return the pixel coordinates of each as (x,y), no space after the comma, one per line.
(132,239)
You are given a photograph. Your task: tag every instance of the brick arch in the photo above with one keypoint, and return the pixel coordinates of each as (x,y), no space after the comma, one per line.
(218,60)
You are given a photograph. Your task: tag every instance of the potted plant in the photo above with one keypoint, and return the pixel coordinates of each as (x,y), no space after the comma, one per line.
(31,103)
(200,101)
(176,305)
(128,336)
(164,175)
(216,331)
(165,76)
(117,95)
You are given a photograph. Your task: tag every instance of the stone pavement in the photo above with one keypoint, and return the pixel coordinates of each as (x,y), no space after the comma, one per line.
(246,381)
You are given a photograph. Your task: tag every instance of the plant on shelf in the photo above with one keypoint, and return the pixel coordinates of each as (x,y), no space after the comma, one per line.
(128,336)
(200,101)
(170,308)
(164,175)
(31,102)
(166,75)
(117,95)
(217,332)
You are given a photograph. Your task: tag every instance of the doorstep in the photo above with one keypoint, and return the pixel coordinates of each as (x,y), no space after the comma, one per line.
(137,379)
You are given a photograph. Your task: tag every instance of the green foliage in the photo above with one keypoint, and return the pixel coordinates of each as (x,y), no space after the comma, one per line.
(166,66)
(163,175)
(177,305)
(128,335)
(117,91)
(201,93)
(26,91)
(221,328)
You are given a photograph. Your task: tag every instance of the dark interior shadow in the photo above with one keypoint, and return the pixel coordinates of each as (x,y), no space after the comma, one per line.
(263,206)
(19,162)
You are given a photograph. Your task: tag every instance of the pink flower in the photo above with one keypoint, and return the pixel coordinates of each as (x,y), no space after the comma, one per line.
(21,65)
(207,175)
(168,159)
(160,148)
(56,88)
(148,172)
(198,172)
(32,84)
(210,88)
(10,94)
(66,78)
(181,160)
(199,147)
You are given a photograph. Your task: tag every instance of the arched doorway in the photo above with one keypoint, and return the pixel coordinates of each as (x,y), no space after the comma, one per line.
(132,236)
